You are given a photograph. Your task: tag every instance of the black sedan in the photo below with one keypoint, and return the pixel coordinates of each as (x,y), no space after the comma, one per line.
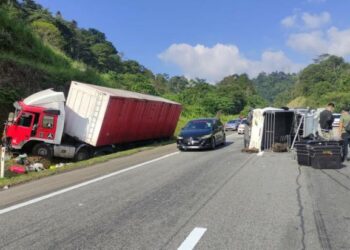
(201,133)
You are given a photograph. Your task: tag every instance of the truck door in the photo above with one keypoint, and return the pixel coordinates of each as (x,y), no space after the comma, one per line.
(25,124)
(47,127)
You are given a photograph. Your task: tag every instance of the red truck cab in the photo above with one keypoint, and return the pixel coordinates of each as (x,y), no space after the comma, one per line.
(38,120)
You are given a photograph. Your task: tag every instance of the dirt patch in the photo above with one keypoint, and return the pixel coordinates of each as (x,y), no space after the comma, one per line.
(250,150)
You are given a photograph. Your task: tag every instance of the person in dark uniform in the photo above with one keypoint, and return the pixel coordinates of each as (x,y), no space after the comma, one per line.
(248,128)
(345,135)
(326,120)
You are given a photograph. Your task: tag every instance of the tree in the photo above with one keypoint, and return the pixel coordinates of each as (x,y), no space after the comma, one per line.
(48,33)
(105,56)
(177,83)
(160,83)
(58,15)
(270,85)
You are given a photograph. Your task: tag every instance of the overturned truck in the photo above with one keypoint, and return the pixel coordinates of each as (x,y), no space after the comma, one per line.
(271,126)
(297,128)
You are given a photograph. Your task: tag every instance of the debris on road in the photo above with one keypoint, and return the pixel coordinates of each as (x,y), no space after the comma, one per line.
(22,159)
(36,167)
(17,169)
(250,150)
(280,147)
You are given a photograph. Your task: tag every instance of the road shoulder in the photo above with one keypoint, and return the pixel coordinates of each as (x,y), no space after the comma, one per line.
(27,191)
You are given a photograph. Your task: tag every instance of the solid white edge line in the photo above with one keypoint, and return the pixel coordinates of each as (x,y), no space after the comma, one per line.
(65,190)
(192,239)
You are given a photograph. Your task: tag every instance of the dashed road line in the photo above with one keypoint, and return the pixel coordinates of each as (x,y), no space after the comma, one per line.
(192,239)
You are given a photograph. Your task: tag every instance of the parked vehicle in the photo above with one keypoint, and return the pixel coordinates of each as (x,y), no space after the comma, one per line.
(336,120)
(232,125)
(93,120)
(202,133)
(240,129)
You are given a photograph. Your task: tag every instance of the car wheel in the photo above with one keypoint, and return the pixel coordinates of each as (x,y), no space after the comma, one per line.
(213,143)
(224,140)
(43,150)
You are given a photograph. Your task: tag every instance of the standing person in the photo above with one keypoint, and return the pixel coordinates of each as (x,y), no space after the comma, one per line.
(326,120)
(248,128)
(343,127)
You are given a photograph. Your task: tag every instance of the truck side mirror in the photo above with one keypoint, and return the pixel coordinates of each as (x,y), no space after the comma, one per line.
(11,117)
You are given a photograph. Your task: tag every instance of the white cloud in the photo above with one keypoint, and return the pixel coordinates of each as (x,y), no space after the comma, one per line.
(338,41)
(309,43)
(307,21)
(332,41)
(289,21)
(276,61)
(314,21)
(214,63)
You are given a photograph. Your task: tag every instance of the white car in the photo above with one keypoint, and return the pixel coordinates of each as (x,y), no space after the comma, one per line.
(240,129)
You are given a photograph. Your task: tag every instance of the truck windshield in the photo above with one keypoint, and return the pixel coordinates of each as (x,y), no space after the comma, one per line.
(25,120)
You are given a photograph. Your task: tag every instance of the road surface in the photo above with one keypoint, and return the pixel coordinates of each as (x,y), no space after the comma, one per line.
(215,199)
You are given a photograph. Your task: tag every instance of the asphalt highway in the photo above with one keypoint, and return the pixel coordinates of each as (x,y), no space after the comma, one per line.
(212,199)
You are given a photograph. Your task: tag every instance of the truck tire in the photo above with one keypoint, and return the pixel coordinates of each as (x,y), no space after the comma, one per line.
(82,154)
(43,150)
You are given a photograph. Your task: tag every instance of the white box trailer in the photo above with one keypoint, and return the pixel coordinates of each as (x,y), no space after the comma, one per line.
(85,111)
(102,116)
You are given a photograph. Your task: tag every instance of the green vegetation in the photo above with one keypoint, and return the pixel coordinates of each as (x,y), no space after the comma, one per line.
(271,86)
(325,80)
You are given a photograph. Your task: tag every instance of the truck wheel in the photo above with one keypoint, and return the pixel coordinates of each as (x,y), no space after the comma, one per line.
(43,149)
(82,154)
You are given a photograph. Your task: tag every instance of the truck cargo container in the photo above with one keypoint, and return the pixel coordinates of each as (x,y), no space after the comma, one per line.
(94,119)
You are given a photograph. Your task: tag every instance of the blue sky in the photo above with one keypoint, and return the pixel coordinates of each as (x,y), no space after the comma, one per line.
(210,39)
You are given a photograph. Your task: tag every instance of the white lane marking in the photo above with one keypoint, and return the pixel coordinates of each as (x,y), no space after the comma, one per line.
(192,239)
(65,190)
